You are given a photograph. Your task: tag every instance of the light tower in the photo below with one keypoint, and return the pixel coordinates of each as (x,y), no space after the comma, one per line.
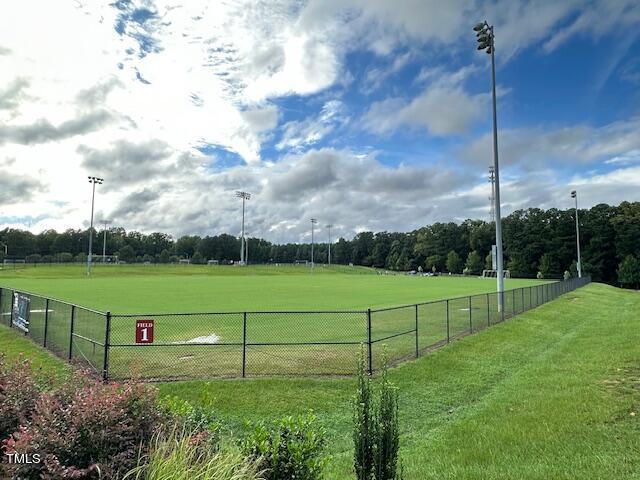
(329,256)
(244,196)
(313,223)
(104,239)
(93,181)
(492,197)
(574,195)
(486,42)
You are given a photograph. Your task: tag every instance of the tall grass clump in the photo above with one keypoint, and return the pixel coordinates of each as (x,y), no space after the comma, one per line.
(179,455)
(376,433)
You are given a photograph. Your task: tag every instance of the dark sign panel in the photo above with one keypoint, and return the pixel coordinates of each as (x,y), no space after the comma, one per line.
(21,310)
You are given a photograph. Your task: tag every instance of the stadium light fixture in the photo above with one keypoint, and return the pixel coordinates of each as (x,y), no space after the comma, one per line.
(244,196)
(574,195)
(486,42)
(329,257)
(104,239)
(313,223)
(93,181)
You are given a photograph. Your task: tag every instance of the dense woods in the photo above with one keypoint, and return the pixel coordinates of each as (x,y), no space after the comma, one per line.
(536,242)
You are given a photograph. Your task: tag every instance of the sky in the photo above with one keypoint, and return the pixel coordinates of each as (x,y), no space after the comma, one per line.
(365,114)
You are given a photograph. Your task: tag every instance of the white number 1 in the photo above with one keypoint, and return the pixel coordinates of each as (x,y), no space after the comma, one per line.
(145,337)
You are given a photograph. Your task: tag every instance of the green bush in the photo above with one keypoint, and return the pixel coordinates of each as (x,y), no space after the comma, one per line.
(376,432)
(193,418)
(291,448)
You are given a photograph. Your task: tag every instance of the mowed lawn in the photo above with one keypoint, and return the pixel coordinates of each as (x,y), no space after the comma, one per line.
(193,288)
(551,394)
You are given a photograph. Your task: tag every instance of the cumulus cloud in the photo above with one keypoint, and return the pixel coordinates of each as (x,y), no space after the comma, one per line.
(127,163)
(578,144)
(17,188)
(443,108)
(43,131)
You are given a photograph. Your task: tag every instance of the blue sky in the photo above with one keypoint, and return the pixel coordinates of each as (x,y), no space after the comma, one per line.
(366,114)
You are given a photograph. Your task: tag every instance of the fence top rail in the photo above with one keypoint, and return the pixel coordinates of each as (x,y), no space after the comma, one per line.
(240,312)
(464,297)
(87,309)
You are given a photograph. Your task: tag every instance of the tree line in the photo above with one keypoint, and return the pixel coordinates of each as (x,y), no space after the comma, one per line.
(537,242)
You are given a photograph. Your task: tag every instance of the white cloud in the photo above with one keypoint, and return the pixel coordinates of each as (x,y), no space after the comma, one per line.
(444,107)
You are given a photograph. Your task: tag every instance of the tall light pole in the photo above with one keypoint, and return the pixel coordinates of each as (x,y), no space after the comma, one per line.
(329,257)
(485,37)
(244,196)
(574,195)
(313,222)
(93,181)
(104,239)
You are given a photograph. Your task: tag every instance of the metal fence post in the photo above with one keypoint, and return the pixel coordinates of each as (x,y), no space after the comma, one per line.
(46,322)
(244,344)
(13,294)
(448,338)
(470,320)
(73,319)
(417,345)
(369,341)
(522,291)
(513,303)
(503,304)
(107,345)
(488,312)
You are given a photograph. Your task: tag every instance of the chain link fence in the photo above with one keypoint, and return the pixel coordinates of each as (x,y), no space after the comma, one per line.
(248,344)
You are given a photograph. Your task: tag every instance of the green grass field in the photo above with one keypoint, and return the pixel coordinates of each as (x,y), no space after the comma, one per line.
(195,288)
(171,289)
(551,394)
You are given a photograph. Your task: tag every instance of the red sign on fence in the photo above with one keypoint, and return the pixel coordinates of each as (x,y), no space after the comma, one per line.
(144,331)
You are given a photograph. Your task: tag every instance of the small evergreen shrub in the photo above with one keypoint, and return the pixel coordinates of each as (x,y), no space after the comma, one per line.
(376,431)
(291,448)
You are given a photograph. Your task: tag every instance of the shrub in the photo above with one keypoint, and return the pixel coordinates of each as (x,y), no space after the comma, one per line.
(363,422)
(193,418)
(33,258)
(98,428)
(175,456)
(376,427)
(65,257)
(291,448)
(18,395)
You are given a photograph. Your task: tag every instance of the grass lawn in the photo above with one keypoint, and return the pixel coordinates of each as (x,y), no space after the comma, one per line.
(551,394)
(128,289)
(199,288)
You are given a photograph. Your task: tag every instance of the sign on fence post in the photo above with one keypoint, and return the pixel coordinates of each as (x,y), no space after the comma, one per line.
(144,331)
(21,310)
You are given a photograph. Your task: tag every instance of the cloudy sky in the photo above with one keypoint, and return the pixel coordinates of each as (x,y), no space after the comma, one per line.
(368,114)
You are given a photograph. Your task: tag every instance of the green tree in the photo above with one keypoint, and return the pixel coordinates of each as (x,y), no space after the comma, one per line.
(545,266)
(198,259)
(127,254)
(474,263)
(165,256)
(629,272)
(454,262)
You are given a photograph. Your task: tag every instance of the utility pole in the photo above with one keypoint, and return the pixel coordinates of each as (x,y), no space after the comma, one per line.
(492,197)
(244,196)
(93,181)
(486,42)
(574,195)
